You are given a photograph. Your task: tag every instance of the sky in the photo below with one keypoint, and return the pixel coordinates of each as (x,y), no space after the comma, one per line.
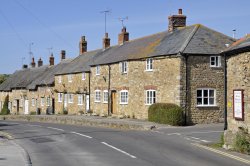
(49,26)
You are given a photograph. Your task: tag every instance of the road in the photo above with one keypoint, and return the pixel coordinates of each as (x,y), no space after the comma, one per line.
(66,145)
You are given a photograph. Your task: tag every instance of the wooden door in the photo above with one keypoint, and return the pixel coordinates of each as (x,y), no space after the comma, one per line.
(113,103)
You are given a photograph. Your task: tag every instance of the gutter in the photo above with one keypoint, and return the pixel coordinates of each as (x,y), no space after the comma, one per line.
(109,93)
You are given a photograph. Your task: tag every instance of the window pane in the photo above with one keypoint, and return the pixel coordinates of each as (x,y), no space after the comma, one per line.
(205,100)
(205,93)
(199,101)
(199,93)
(211,93)
(211,101)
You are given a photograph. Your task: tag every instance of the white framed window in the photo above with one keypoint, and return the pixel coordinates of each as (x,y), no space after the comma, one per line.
(70,78)
(80,99)
(97,96)
(124,67)
(98,70)
(83,76)
(42,101)
(215,61)
(149,64)
(150,97)
(70,96)
(33,102)
(59,79)
(60,96)
(124,97)
(48,101)
(105,96)
(206,97)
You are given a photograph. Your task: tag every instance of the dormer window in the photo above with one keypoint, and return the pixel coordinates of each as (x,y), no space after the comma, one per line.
(83,76)
(98,70)
(59,79)
(149,64)
(70,78)
(215,61)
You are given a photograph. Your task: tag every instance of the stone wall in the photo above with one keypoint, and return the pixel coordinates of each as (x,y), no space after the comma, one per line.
(165,79)
(201,75)
(238,77)
(78,86)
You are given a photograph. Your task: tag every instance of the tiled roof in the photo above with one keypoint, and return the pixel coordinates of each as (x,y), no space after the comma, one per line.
(240,45)
(47,78)
(195,39)
(79,64)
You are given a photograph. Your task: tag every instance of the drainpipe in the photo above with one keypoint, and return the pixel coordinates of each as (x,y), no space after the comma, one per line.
(225,92)
(109,93)
(89,92)
(186,91)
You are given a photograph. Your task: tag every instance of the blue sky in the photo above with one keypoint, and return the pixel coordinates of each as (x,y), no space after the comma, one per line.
(60,23)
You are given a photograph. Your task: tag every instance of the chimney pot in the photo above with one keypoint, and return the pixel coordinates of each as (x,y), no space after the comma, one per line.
(51,60)
(82,45)
(40,62)
(180,12)
(33,63)
(63,54)
(106,41)
(123,36)
(25,66)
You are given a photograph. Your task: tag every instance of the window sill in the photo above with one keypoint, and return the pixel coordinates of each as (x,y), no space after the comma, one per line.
(149,70)
(148,104)
(80,104)
(105,102)
(204,106)
(123,103)
(97,101)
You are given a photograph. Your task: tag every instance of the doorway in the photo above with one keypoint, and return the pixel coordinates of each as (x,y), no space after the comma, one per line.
(26,107)
(113,102)
(87,102)
(17,107)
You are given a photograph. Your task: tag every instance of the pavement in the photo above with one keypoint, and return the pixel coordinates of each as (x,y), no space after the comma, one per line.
(11,154)
(53,144)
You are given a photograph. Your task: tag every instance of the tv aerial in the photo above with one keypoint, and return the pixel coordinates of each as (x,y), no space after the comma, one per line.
(122,19)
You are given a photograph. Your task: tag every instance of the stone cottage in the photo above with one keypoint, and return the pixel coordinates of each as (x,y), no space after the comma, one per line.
(72,83)
(238,88)
(181,65)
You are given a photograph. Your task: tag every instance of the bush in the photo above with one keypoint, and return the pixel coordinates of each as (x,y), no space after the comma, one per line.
(32,113)
(166,113)
(5,110)
(242,142)
(65,111)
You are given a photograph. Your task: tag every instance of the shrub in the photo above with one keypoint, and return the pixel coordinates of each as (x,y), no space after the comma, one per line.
(32,113)
(5,110)
(65,111)
(242,142)
(166,113)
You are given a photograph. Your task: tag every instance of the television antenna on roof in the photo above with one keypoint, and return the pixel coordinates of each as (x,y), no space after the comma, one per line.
(234,33)
(30,50)
(122,19)
(105,12)
(50,50)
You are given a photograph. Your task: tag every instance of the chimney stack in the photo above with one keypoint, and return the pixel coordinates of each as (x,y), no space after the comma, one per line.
(176,21)
(25,66)
(33,63)
(63,55)
(51,60)
(123,36)
(106,41)
(40,62)
(82,45)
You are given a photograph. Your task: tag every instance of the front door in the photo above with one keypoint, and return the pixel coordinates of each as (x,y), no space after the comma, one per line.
(113,102)
(53,105)
(26,107)
(87,103)
(17,106)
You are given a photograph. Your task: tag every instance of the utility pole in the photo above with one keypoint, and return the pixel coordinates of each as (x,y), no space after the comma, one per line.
(105,12)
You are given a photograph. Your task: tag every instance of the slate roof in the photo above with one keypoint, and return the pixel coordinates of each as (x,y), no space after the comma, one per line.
(195,39)
(240,45)
(79,64)
(22,78)
(47,77)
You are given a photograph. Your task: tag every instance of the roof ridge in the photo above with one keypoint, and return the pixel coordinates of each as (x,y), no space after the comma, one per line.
(186,43)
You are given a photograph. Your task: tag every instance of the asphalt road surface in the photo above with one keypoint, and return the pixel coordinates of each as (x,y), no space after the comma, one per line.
(66,145)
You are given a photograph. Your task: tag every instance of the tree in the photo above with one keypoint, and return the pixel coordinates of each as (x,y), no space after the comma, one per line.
(5,110)
(3,77)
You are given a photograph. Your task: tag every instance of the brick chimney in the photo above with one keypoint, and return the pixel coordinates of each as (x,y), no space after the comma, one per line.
(123,36)
(51,60)
(63,55)
(176,21)
(40,62)
(25,66)
(33,63)
(82,45)
(106,41)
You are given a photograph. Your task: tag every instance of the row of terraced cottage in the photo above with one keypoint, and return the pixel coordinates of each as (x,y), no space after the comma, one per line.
(182,65)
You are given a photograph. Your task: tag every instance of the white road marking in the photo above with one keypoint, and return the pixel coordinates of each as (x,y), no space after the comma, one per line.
(205,141)
(81,135)
(223,153)
(55,128)
(34,125)
(174,134)
(119,150)
(201,132)
(194,137)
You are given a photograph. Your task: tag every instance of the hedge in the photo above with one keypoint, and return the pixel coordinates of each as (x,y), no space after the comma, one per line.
(5,110)
(166,113)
